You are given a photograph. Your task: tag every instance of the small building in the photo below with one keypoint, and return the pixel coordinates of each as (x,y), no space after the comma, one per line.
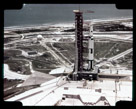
(32,53)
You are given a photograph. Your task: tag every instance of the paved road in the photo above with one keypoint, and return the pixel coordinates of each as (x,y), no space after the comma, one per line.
(61,54)
(15,41)
(57,57)
(120,55)
(101,63)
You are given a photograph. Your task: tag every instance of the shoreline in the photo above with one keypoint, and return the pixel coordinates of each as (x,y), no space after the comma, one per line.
(65,24)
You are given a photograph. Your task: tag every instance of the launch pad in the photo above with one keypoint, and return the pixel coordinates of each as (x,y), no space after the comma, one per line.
(82,86)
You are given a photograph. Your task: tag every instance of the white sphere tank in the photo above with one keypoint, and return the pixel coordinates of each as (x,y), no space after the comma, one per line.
(39,37)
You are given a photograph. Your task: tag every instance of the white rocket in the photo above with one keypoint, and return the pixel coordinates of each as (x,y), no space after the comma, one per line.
(90,48)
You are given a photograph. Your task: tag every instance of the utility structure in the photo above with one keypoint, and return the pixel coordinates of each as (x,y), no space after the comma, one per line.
(91,72)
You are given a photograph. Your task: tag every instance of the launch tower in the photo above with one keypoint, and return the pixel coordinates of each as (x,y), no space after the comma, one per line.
(91,72)
(79,41)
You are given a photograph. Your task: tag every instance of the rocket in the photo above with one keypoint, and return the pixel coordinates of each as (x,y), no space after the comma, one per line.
(90,48)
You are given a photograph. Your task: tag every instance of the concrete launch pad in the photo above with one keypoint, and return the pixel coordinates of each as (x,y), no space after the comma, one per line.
(59,91)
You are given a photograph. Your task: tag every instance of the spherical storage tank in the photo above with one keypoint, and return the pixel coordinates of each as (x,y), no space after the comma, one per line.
(39,37)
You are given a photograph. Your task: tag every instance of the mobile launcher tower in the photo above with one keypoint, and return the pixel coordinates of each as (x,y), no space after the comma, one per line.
(80,72)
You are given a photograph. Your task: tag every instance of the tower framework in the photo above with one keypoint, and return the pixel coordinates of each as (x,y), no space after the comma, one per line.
(79,41)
